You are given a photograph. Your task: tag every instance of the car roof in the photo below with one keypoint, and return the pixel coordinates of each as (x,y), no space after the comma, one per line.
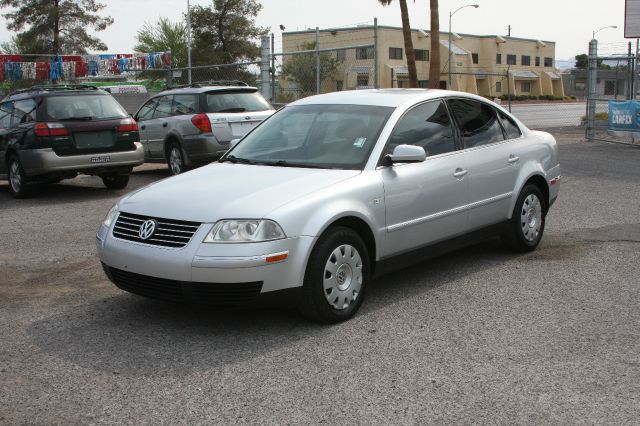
(381,97)
(206,89)
(52,90)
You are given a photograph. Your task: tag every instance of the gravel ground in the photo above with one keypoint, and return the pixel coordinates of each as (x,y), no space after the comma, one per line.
(476,336)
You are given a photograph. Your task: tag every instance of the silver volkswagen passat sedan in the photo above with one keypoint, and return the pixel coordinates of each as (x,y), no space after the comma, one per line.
(329,192)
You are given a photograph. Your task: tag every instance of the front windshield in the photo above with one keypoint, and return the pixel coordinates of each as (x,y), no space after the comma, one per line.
(322,136)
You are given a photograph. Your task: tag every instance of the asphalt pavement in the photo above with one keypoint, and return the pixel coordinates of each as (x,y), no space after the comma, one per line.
(477,336)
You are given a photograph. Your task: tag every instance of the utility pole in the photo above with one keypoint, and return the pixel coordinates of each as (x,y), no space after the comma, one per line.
(508,30)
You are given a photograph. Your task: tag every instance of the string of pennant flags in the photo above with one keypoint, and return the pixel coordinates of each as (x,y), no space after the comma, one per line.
(71,67)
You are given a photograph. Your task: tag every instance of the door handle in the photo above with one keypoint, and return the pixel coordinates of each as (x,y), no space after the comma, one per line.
(513,159)
(165,124)
(459,173)
(143,127)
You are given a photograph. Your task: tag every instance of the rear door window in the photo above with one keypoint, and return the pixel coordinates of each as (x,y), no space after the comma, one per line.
(511,130)
(5,115)
(165,105)
(235,101)
(146,112)
(184,104)
(477,121)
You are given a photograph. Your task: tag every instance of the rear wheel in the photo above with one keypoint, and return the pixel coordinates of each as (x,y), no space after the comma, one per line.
(336,277)
(18,186)
(115,180)
(526,227)
(175,159)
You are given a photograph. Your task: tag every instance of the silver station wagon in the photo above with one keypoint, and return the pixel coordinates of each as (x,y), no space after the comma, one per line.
(330,192)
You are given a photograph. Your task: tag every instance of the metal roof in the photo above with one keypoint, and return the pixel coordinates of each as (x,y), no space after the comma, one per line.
(456,50)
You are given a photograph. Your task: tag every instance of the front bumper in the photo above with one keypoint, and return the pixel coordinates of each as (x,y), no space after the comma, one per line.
(43,161)
(198,264)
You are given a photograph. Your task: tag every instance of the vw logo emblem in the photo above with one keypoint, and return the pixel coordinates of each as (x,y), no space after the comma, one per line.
(147,229)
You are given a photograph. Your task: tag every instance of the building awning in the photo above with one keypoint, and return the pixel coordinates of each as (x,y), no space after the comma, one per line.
(525,75)
(456,50)
(480,74)
(553,75)
(361,70)
(400,71)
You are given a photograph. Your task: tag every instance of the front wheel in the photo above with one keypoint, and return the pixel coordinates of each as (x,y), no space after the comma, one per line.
(526,226)
(336,277)
(18,186)
(115,180)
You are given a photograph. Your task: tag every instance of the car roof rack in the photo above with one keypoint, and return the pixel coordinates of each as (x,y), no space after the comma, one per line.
(53,88)
(210,83)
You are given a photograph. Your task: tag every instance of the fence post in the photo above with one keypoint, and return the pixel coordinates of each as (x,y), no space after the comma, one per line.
(375,53)
(273,69)
(169,74)
(317,60)
(591,88)
(265,80)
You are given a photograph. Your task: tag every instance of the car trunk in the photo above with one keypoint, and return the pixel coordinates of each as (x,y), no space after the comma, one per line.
(229,126)
(87,137)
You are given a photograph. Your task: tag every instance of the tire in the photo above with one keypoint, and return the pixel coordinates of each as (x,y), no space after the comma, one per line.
(175,159)
(336,278)
(526,226)
(115,180)
(18,186)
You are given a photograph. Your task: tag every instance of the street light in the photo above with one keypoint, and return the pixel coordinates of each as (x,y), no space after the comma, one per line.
(189,40)
(603,28)
(450,15)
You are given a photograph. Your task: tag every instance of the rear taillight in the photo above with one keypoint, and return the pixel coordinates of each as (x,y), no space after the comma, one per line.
(127,125)
(201,121)
(50,129)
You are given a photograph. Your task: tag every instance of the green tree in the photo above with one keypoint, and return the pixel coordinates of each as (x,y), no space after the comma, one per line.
(582,62)
(56,25)
(225,33)
(301,68)
(408,43)
(434,60)
(162,36)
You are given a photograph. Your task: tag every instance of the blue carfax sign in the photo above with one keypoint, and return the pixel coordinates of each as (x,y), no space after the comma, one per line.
(624,115)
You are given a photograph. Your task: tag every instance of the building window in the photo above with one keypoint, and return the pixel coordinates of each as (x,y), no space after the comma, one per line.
(525,87)
(498,58)
(364,53)
(609,87)
(579,86)
(339,85)
(548,62)
(537,61)
(341,54)
(423,84)
(498,86)
(363,80)
(525,60)
(474,57)
(395,53)
(400,83)
(422,54)
(511,59)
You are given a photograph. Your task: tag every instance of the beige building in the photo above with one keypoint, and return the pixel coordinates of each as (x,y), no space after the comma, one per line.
(487,65)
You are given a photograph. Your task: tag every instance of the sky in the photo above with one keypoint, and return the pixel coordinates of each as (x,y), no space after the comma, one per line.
(569,23)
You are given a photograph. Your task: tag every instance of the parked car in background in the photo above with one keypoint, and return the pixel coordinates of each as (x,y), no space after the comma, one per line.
(194,125)
(49,133)
(331,191)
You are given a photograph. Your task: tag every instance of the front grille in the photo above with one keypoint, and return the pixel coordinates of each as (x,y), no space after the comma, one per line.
(221,294)
(168,232)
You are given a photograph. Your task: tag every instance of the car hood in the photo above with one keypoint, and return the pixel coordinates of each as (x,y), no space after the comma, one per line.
(229,191)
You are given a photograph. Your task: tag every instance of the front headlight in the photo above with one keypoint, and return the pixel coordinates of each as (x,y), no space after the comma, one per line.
(244,231)
(110,217)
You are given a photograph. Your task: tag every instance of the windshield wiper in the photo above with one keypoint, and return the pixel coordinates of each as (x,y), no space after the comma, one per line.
(232,110)
(87,118)
(234,159)
(284,163)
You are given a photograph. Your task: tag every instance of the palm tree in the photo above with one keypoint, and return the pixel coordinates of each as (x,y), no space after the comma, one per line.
(408,43)
(434,63)
(164,35)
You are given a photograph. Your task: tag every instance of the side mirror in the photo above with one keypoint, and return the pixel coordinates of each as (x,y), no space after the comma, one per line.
(405,154)
(233,143)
